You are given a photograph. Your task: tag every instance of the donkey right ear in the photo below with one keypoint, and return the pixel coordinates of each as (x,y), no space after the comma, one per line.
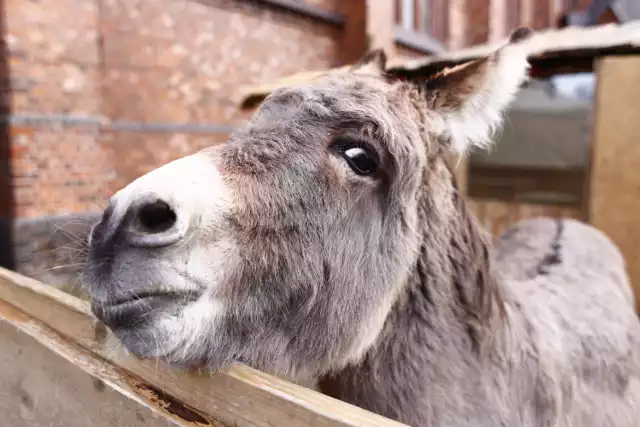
(468,101)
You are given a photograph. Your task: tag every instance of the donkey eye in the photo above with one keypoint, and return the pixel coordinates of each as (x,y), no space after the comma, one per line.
(360,157)
(360,160)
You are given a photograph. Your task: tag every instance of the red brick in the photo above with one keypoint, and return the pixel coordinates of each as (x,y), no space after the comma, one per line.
(62,88)
(541,14)
(185,61)
(52,30)
(477,25)
(59,171)
(159,62)
(136,153)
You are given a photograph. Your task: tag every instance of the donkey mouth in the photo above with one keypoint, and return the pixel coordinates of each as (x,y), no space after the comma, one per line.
(132,311)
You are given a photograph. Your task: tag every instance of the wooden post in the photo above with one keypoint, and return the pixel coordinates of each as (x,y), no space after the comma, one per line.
(462,173)
(460,166)
(614,202)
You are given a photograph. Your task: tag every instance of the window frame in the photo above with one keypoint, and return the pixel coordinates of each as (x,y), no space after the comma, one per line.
(413,29)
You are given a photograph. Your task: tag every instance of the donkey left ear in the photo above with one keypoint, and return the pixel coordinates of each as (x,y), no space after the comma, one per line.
(467,101)
(372,62)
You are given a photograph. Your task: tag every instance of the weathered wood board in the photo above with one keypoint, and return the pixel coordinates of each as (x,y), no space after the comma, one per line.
(65,387)
(62,367)
(614,201)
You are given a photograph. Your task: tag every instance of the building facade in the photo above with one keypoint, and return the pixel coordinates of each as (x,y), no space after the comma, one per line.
(98,92)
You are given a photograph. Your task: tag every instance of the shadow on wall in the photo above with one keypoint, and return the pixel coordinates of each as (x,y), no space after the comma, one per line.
(7,258)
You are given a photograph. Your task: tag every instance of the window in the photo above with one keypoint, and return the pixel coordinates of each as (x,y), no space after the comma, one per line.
(414,15)
(421,25)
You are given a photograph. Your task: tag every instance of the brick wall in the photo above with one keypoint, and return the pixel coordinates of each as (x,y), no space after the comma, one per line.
(102,91)
(183,62)
(487,20)
(461,23)
(478,25)
(53,67)
(143,62)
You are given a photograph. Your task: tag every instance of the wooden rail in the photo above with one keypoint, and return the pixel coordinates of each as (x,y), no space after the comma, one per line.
(59,366)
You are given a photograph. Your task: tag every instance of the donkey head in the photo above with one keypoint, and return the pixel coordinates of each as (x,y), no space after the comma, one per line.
(286,247)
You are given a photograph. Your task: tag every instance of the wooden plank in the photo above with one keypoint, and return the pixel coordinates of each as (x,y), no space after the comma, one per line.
(568,43)
(462,174)
(614,205)
(62,385)
(240,396)
(528,185)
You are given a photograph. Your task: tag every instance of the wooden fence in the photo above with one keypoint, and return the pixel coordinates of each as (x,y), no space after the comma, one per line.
(496,215)
(60,367)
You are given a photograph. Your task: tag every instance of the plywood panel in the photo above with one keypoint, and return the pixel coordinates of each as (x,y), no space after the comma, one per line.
(614,205)
(39,387)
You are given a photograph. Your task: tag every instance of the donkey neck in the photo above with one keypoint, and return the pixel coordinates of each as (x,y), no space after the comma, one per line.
(436,336)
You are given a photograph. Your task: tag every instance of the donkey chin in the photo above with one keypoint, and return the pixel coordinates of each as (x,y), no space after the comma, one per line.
(165,316)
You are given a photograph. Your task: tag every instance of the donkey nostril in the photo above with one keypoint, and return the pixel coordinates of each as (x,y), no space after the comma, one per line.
(156,217)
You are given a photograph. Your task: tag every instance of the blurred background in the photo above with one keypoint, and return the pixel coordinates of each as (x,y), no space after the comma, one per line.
(99,92)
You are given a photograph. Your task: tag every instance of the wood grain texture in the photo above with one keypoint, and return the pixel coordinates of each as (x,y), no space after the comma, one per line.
(614,205)
(65,387)
(240,396)
(528,185)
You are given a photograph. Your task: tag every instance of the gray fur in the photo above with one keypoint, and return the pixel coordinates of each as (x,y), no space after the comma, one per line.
(386,291)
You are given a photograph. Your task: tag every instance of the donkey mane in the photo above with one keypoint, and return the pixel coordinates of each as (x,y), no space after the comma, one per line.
(477,290)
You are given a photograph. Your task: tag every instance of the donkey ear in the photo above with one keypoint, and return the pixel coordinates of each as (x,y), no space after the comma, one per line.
(372,62)
(468,100)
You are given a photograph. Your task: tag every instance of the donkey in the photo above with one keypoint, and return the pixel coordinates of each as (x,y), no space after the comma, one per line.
(327,241)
